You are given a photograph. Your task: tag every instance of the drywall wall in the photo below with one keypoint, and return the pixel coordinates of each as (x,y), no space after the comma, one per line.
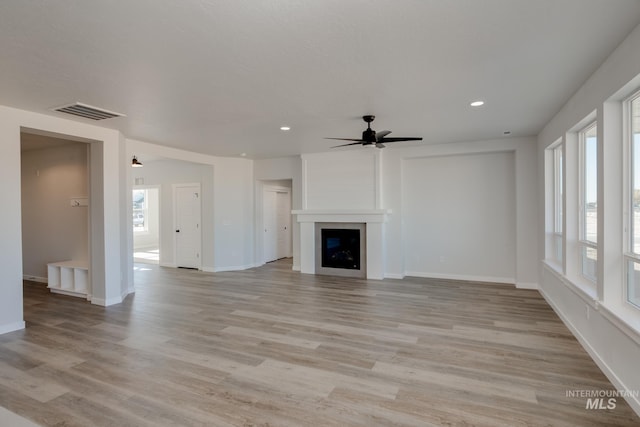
(106,152)
(285,169)
(524,233)
(163,174)
(459,216)
(614,344)
(53,229)
(341,180)
(227,205)
(374,179)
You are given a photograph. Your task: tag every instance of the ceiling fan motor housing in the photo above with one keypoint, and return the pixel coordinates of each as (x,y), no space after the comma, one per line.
(369,136)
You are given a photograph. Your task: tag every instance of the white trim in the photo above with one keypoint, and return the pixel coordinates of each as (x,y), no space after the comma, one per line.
(394,276)
(10,327)
(607,312)
(527,285)
(633,401)
(167,264)
(234,268)
(35,278)
(576,288)
(468,278)
(106,303)
(342,215)
(174,188)
(295,268)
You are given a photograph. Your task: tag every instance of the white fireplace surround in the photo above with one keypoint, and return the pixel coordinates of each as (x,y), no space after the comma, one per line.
(374,220)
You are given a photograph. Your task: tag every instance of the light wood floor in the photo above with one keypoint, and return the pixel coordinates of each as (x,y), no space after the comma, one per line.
(272,347)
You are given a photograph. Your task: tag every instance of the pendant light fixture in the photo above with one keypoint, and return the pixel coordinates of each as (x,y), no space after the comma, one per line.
(135,163)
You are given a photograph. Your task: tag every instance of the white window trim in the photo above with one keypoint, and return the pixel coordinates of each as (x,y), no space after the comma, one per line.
(629,310)
(145,229)
(583,243)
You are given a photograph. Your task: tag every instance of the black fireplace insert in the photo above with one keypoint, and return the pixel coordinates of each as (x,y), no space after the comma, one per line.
(340,248)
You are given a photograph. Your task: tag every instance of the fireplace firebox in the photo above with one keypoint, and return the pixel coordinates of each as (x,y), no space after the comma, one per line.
(340,249)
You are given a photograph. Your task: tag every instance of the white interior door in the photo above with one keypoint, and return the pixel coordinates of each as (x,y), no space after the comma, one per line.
(283,202)
(270,221)
(187,230)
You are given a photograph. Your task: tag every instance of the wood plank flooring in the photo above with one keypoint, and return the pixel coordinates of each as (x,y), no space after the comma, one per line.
(273,347)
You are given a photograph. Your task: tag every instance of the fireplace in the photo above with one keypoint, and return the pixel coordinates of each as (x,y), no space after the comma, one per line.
(340,249)
(370,223)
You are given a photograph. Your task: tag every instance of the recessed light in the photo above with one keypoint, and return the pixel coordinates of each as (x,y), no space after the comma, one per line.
(477,103)
(243,154)
(285,128)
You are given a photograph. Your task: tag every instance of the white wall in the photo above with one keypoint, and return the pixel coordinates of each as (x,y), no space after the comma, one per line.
(369,179)
(165,173)
(227,205)
(610,341)
(53,230)
(459,216)
(283,168)
(521,265)
(107,232)
(341,180)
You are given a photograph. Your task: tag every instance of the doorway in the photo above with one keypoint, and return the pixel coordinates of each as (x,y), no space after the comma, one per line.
(276,214)
(146,224)
(55,213)
(188,232)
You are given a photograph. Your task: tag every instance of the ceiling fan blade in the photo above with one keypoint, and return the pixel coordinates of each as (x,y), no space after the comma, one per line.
(397,139)
(348,139)
(344,145)
(379,145)
(382,134)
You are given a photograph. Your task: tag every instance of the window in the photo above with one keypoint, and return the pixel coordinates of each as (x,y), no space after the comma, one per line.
(632,256)
(588,235)
(557,235)
(140,210)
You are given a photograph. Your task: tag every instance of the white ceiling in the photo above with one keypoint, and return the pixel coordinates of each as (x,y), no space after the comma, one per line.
(221,76)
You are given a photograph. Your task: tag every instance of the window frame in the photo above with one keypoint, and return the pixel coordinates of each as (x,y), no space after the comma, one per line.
(557,232)
(144,210)
(629,256)
(584,244)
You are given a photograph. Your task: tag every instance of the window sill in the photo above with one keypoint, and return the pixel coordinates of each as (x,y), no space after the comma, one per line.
(625,318)
(579,285)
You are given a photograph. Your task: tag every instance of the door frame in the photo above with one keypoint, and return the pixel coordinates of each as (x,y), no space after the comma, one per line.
(160,219)
(174,188)
(266,186)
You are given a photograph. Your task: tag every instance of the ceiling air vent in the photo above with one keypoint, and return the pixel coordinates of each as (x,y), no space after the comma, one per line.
(87,111)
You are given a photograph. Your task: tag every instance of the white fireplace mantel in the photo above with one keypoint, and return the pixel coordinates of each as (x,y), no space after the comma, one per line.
(343,215)
(373,218)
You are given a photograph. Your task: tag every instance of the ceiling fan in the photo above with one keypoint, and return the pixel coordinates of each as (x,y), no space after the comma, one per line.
(371,137)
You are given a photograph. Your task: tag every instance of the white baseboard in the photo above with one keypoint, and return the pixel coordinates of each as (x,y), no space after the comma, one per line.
(35,278)
(394,276)
(4,329)
(234,268)
(167,264)
(8,418)
(527,285)
(490,279)
(633,401)
(106,303)
(295,268)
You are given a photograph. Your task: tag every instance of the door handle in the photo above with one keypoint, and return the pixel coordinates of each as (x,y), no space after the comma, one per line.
(177,231)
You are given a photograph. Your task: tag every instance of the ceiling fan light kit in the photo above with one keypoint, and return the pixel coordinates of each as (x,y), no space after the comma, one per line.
(371,138)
